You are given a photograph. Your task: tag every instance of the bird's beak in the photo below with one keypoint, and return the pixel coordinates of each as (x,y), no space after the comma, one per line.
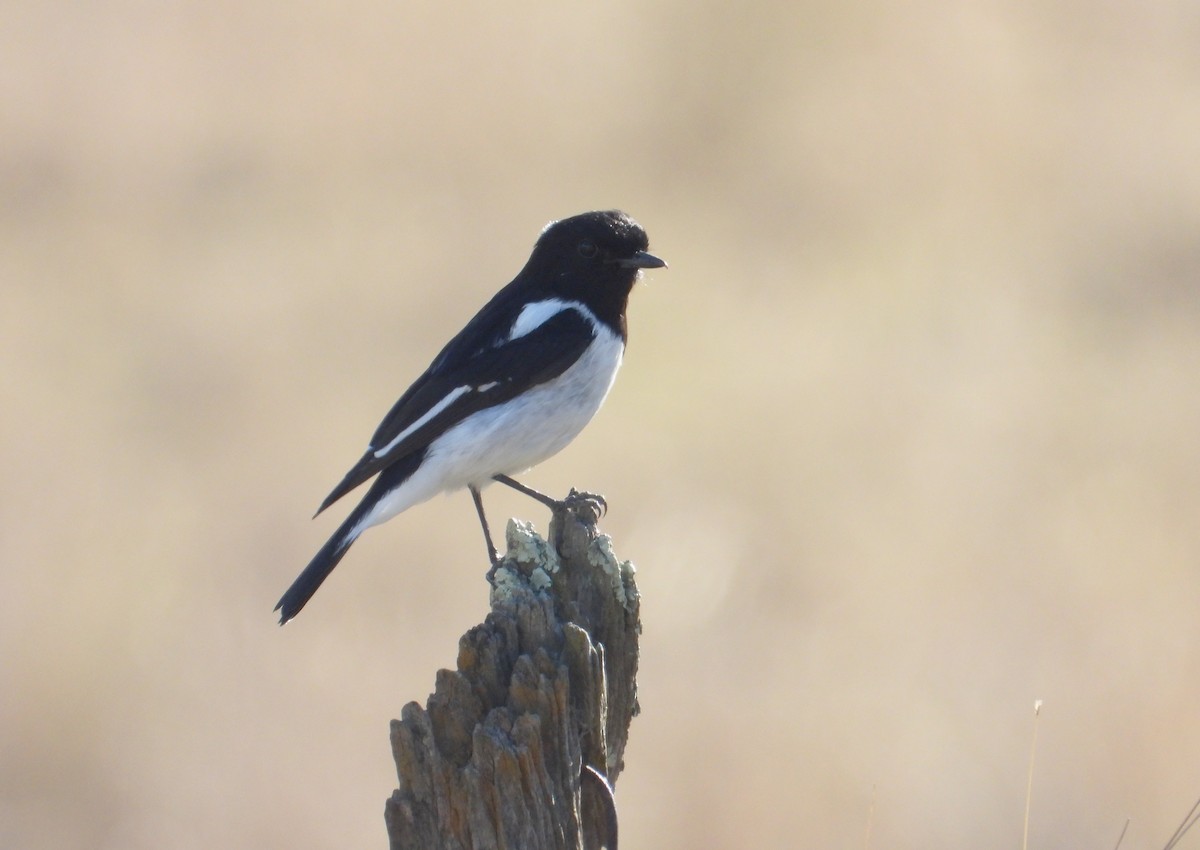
(642,260)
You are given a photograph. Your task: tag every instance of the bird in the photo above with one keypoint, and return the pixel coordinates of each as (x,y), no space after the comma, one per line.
(511,389)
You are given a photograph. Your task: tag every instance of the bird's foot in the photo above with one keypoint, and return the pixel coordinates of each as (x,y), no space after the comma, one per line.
(587,507)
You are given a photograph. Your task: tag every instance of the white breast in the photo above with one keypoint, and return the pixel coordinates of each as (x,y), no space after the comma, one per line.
(521,433)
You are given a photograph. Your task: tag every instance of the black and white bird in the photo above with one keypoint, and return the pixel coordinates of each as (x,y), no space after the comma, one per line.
(513,388)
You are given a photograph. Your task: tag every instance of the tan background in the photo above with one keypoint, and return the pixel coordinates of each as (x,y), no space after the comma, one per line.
(908,435)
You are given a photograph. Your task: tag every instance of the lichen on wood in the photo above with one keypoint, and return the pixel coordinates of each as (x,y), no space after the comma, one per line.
(520,745)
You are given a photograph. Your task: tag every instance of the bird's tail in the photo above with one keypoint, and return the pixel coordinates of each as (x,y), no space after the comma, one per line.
(320,566)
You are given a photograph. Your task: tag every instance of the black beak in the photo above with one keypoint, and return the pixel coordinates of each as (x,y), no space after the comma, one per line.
(642,260)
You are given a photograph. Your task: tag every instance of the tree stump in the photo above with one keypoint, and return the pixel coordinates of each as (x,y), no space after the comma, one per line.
(518,748)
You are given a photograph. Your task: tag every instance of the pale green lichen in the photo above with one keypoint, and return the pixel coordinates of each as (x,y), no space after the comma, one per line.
(539,579)
(620,573)
(506,583)
(527,550)
(526,546)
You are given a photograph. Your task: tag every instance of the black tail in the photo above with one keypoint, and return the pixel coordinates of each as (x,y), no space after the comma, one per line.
(319,568)
(323,562)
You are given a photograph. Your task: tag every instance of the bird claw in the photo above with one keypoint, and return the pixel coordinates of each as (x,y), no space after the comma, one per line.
(589,507)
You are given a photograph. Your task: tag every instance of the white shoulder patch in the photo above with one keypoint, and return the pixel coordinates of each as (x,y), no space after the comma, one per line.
(537,313)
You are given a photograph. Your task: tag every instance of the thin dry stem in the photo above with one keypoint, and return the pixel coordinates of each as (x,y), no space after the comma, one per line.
(1037,713)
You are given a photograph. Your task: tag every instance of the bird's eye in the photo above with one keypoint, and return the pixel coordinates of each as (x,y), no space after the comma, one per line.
(587,249)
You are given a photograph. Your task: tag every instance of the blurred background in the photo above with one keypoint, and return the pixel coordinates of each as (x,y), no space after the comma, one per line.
(907,437)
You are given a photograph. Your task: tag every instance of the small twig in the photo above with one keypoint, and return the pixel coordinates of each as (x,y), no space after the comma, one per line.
(1037,712)
(1121,837)
(870,821)
(1188,822)
(599,783)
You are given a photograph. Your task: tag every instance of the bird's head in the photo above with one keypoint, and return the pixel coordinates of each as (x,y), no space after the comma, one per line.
(595,249)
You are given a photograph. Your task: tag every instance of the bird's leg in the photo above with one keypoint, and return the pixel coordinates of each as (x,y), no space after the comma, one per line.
(552,504)
(595,504)
(487,534)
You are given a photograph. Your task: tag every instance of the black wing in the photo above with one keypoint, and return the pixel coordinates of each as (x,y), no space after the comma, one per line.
(449,392)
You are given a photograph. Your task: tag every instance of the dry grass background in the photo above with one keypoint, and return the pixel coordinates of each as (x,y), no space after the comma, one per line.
(908,435)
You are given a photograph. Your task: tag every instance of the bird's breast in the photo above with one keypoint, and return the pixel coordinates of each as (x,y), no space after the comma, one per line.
(520,433)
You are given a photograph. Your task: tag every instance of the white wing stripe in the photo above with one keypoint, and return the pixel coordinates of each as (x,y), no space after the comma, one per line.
(446,401)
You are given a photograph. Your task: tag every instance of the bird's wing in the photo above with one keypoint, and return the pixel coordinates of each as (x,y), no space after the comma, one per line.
(446,394)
